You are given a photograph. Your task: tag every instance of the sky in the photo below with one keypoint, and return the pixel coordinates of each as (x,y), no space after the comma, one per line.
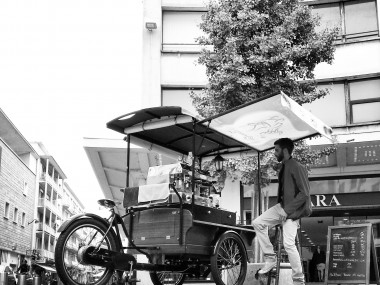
(66,69)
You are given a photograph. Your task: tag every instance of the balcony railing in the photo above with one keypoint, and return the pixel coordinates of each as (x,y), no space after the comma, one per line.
(47,253)
(46,228)
(52,205)
(41,202)
(51,180)
(42,254)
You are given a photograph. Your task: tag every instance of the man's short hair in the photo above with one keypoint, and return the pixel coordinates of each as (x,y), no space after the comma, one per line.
(285,143)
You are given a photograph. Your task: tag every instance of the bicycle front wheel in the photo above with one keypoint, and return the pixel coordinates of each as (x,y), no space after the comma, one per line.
(83,232)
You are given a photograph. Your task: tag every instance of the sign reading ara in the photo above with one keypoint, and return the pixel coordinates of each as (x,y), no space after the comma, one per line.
(324,201)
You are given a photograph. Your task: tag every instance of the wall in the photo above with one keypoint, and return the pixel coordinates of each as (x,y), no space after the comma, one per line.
(151,54)
(230,199)
(13,174)
(30,161)
(352,59)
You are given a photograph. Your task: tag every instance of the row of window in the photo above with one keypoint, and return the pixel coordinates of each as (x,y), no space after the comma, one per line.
(355,19)
(349,101)
(16,212)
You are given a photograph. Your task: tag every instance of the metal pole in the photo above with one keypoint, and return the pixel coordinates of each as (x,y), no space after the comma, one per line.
(128,158)
(193,166)
(242,218)
(259,180)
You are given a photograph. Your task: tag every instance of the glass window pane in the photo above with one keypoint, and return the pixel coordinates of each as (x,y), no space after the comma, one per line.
(365,89)
(179,98)
(360,16)
(247,190)
(330,15)
(181,27)
(367,112)
(330,109)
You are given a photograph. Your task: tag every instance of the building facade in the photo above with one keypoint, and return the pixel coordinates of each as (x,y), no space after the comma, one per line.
(71,205)
(345,185)
(55,202)
(18,161)
(34,200)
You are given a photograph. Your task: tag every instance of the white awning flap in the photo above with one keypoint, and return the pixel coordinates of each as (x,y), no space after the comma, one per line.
(260,124)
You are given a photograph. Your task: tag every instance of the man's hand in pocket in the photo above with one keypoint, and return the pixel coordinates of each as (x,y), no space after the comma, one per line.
(283,215)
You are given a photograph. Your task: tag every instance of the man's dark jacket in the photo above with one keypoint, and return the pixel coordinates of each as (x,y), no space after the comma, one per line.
(294,190)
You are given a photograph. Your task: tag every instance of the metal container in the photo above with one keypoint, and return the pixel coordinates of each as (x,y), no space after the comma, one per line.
(4,278)
(21,279)
(37,280)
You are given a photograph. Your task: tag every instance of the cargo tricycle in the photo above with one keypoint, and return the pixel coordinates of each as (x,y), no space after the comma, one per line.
(175,220)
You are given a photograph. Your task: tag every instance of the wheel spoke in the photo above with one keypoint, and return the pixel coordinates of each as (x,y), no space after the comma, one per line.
(229,261)
(220,257)
(224,249)
(83,236)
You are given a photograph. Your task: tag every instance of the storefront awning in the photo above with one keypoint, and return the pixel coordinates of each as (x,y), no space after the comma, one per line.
(47,268)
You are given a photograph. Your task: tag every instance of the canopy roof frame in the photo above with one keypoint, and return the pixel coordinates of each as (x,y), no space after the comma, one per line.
(217,134)
(229,134)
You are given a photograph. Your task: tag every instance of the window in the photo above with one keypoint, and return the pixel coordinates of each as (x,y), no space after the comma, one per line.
(23,219)
(6,210)
(247,217)
(349,102)
(15,215)
(364,97)
(26,188)
(360,18)
(329,15)
(180,29)
(355,19)
(331,108)
(4,256)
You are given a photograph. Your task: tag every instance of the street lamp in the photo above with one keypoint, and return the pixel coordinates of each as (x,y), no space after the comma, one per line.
(219,161)
(150,26)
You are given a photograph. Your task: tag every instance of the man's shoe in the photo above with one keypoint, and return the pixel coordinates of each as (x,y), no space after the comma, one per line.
(298,281)
(269,265)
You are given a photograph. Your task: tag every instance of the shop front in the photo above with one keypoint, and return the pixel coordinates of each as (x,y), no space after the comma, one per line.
(335,202)
(333,210)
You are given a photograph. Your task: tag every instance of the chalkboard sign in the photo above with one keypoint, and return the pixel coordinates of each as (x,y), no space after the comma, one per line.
(348,254)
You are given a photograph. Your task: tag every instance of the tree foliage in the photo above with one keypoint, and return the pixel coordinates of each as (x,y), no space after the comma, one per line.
(261,47)
(246,169)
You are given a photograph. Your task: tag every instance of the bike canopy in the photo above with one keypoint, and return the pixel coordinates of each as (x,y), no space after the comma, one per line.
(252,126)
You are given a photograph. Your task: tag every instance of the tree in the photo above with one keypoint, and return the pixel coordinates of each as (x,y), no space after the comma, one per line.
(261,47)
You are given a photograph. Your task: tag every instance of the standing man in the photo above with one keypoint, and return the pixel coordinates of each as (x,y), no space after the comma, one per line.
(293,203)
